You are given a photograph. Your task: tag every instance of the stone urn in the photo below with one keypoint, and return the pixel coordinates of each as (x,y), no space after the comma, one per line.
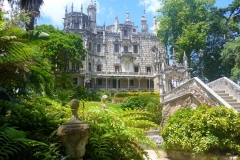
(74,134)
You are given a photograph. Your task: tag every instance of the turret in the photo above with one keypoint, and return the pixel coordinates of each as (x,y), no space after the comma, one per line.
(66,10)
(185,63)
(92,14)
(128,21)
(144,21)
(72,7)
(155,25)
(116,22)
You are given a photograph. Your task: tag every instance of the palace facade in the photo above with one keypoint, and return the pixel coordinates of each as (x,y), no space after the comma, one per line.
(120,58)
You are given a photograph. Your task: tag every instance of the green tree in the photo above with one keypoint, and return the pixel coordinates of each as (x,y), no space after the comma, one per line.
(18,47)
(193,25)
(63,48)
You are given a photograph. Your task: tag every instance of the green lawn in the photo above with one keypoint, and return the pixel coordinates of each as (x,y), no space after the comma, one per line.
(111,106)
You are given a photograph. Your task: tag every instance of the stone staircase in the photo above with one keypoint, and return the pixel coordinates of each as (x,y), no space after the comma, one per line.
(229,99)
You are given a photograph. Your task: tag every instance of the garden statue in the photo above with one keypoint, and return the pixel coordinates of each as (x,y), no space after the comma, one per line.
(104,100)
(74,134)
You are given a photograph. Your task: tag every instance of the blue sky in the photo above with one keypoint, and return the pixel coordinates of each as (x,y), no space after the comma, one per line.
(53,11)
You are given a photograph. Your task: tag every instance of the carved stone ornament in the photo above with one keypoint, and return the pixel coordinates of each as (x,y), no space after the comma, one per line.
(74,134)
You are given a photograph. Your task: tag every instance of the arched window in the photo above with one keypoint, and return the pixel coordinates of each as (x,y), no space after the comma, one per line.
(135,48)
(90,46)
(99,67)
(125,33)
(116,48)
(89,66)
(98,48)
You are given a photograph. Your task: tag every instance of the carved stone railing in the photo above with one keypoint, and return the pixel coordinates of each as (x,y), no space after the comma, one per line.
(198,89)
(227,85)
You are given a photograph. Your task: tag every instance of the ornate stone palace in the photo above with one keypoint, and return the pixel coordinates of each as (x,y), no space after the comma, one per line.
(120,58)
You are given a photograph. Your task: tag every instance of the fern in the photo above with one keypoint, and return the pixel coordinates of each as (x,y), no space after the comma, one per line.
(117,134)
(14,143)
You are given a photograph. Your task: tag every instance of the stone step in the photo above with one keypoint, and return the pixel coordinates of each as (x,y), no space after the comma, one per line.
(234,104)
(219,92)
(226,97)
(230,100)
(223,94)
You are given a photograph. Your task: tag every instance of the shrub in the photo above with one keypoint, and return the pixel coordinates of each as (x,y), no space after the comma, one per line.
(121,94)
(204,130)
(132,103)
(116,133)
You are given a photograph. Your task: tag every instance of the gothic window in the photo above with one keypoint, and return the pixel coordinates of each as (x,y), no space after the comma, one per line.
(148,69)
(89,66)
(125,48)
(151,84)
(99,82)
(75,67)
(90,46)
(135,69)
(76,25)
(116,68)
(98,48)
(135,48)
(134,30)
(125,33)
(75,81)
(131,82)
(99,67)
(116,47)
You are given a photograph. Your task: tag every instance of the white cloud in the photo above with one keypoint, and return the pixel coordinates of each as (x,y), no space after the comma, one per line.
(6,7)
(151,5)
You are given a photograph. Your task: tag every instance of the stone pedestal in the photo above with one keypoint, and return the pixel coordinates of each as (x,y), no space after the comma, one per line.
(74,134)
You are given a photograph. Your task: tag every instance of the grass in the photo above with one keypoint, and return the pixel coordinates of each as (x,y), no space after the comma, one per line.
(112,106)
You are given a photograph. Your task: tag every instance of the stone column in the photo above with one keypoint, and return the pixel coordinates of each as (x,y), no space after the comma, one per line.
(74,134)
(128,84)
(106,84)
(95,82)
(138,84)
(117,84)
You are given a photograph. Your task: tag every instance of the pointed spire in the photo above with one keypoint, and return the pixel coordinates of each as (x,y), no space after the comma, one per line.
(104,25)
(72,7)
(185,63)
(95,3)
(127,14)
(81,8)
(128,19)
(66,10)
(184,55)
(174,57)
(144,11)
(116,17)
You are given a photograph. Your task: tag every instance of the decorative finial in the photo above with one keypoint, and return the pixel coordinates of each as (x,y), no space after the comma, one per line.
(66,10)
(127,14)
(95,3)
(116,14)
(81,8)
(72,7)
(174,57)
(144,9)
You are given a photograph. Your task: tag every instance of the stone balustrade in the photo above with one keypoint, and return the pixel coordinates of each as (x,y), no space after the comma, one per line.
(227,85)
(197,88)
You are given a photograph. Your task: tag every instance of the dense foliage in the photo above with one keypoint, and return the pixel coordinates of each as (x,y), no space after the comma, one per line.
(191,26)
(144,101)
(117,133)
(204,130)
